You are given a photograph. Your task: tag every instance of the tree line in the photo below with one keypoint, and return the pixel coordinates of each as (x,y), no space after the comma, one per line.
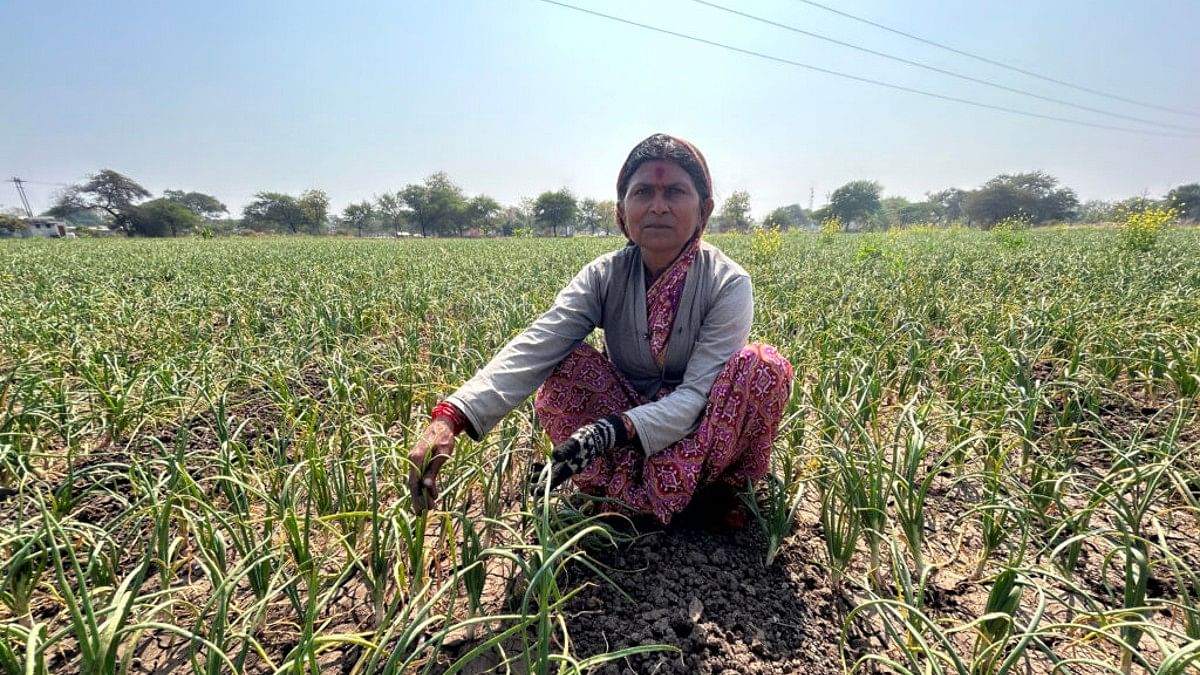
(438,207)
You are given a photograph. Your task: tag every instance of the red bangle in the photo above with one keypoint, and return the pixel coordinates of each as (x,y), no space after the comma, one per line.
(449,412)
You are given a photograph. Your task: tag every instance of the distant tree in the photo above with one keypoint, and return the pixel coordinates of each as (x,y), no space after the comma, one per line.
(589,215)
(1035,195)
(419,209)
(900,212)
(597,215)
(448,202)
(856,203)
(1187,199)
(164,217)
(607,211)
(358,217)
(10,223)
(315,205)
(482,212)
(555,209)
(437,206)
(890,208)
(390,209)
(788,217)
(108,191)
(735,212)
(991,204)
(275,211)
(1097,211)
(949,204)
(205,206)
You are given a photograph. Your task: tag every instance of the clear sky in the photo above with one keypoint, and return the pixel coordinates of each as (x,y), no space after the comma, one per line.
(514,97)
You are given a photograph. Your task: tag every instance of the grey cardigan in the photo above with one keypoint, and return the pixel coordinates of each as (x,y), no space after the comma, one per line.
(713,322)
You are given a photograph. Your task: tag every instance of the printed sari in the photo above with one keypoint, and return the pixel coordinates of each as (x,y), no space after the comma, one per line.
(732,443)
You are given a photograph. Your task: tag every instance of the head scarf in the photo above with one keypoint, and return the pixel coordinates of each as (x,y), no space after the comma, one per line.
(671,149)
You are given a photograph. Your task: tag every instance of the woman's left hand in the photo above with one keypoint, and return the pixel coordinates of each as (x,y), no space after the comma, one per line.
(574,454)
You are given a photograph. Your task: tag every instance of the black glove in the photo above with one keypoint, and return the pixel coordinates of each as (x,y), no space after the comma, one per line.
(574,454)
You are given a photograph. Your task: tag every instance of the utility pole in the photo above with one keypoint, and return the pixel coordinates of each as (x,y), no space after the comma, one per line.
(21,191)
(810,198)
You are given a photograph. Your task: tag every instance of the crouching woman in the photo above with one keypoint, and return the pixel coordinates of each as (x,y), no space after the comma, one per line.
(678,401)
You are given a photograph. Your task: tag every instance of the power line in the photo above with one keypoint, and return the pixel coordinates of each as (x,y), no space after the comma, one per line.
(880,83)
(1001,64)
(943,71)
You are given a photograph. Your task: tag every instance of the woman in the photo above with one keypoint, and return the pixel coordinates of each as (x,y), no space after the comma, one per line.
(680,401)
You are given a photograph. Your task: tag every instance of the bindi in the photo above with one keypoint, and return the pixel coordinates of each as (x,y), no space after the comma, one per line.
(659,172)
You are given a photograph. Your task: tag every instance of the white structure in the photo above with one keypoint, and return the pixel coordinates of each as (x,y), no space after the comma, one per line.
(49,227)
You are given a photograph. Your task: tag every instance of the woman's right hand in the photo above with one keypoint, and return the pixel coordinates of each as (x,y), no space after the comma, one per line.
(426,458)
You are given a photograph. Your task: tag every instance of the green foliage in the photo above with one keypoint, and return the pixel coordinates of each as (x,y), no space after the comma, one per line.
(1011,231)
(555,210)
(108,191)
(314,204)
(597,215)
(437,206)
(1042,400)
(788,217)
(1186,198)
(359,217)
(163,218)
(1034,195)
(204,206)
(275,211)
(856,203)
(735,212)
(10,223)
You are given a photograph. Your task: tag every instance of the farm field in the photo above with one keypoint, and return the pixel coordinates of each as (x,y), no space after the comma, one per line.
(990,464)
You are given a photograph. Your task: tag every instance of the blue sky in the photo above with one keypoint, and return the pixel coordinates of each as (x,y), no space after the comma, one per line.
(513,97)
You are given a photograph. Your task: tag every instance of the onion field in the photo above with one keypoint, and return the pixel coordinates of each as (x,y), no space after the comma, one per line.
(990,464)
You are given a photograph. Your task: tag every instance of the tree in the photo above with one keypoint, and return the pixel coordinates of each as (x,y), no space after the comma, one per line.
(786,218)
(589,215)
(735,212)
(162,217)
(481,212)
(517,218)
(11,224)
(274,211)
(555,209)
(993,203)
(1097,211)
(419,210)
(949,204)
(899,212)
(1187,199)
(315,206)
(1034,195)
(358,216)
(437,206)
(390,209)
(855,202)
(108,191)
(205,206)
(597,215)
(448,204)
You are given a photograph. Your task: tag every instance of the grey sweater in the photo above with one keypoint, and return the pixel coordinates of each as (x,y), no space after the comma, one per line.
(713,322)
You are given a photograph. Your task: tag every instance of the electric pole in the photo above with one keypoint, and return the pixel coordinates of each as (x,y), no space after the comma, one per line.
(24,201)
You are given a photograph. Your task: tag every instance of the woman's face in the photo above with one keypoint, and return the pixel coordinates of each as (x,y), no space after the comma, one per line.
(662,208)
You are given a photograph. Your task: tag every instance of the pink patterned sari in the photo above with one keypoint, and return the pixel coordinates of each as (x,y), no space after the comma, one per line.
(732,443)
